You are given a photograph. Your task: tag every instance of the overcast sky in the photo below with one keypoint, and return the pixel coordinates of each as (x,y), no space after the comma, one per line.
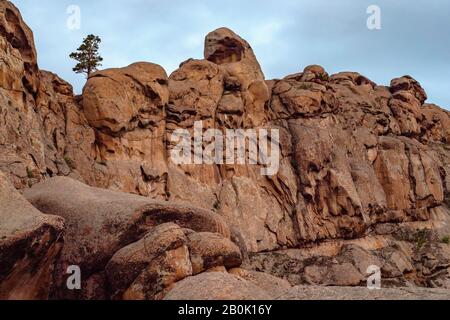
(286,35)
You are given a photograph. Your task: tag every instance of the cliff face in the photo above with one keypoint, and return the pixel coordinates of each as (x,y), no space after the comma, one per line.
(41,120)
(364,174)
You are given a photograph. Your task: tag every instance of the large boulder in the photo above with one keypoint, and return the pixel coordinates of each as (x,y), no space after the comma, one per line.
(271,284)
(30,243)
(101,222)
(244,78)
(149,266)
(126,108)
(211,250)
(121,100)
(216,286)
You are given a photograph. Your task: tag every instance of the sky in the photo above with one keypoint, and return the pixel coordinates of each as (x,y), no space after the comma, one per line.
(286,35)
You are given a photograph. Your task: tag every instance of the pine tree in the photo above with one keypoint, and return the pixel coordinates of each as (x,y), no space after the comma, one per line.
(87,55)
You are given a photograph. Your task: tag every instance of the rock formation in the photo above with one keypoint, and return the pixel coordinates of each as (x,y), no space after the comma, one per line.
(364,179)
(30,243)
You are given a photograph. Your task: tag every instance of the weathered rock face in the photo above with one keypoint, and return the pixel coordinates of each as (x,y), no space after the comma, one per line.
(228,91)
(364,171)
(407,255)
(354,154)
(43,131)
(19,68)
(126,108)
(30,243)
(355,167)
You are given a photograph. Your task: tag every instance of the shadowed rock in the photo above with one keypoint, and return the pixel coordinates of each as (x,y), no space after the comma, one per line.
(30,243)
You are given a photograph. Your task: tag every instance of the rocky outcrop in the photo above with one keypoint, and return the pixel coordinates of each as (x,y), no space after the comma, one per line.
(227,91)
(19,67)
(126,109)
(407,256)
(43,131)
(364,174)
